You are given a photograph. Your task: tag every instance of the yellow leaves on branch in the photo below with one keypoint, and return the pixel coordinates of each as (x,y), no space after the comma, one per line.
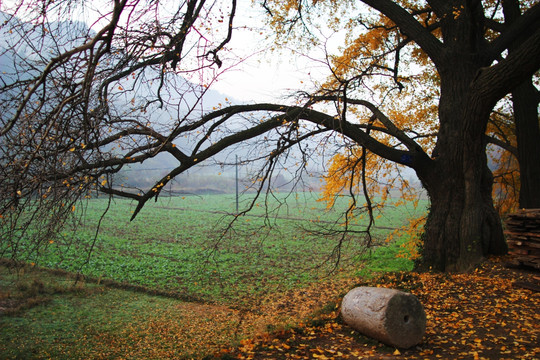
(457,11)
(286,13)
(344,176)
(368,45)
(413,230)
(337,179)
(506,182)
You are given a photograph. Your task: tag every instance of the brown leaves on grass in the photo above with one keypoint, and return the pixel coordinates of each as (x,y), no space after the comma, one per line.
(190,330)
(479,315)
(108,323)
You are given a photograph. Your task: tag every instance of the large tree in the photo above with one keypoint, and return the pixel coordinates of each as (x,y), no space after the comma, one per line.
(474,51)
(61,119)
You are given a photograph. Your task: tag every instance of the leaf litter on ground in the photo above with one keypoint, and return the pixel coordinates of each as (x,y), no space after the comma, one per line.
(477,315)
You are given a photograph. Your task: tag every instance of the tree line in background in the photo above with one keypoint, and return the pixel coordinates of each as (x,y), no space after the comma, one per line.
(431,86)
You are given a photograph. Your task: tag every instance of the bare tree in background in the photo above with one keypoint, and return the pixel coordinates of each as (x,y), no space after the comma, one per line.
(78,102)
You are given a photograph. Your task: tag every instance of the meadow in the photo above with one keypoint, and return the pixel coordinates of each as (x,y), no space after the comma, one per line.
(178,245)
(176,261)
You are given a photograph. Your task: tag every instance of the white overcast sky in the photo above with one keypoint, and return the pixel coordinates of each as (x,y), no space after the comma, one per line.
(263,76)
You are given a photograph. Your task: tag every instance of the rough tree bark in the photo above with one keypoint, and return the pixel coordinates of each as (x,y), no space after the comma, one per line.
(525,99)
(463,225)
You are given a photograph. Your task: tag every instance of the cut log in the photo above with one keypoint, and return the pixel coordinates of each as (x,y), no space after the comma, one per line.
(391,316)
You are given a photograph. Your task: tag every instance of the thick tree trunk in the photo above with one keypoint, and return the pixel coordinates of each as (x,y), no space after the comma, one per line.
(525,100)
(525,103)
(463,226)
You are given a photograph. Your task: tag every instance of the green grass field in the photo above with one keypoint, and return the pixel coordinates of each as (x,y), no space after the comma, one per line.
(175,247)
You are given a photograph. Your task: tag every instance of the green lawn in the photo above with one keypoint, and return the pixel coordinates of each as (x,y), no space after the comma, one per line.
(176,245)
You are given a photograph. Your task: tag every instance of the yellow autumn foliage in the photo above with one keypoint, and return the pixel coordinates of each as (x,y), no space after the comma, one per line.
(369,39)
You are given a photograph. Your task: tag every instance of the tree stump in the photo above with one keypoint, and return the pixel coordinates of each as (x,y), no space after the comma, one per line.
(391,316)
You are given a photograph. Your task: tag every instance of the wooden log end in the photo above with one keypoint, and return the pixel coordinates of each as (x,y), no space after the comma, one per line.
(391,316)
